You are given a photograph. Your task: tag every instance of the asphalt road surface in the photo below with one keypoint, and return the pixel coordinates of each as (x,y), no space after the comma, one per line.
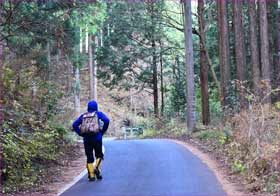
(149,168)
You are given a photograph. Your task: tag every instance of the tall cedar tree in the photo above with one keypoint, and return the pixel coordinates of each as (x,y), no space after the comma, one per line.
(223,49)
(1,67)
(92,68)
(77,101)
(1,93)
(278,50)
(152,11)
(189,66)
(253,31)
(239,46)
(203,66)
(161,79)
(265,66)
(90,64)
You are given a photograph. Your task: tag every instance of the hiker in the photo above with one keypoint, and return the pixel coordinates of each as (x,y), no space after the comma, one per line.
(91,126)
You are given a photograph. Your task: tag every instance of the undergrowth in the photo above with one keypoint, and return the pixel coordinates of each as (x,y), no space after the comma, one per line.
(32,139)
(30,147)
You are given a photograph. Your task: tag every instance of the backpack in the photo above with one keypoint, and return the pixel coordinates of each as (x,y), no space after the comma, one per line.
(90,124)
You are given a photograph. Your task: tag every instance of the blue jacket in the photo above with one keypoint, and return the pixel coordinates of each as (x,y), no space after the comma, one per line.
(93,107)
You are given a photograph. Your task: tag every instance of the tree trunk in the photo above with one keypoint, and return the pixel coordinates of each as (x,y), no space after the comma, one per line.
(239,47)
(190,90)
(155,79)
(131,102)
(69,71)
(100,38)
(161,81)
(90,64)
(255,57)
(1,97)
(278,52)
(224,50)
(94,69)
(154,60)
(271,24)
(265,66)
(203,66)
(69,74)
(47,73)
(77,103)
(213,73)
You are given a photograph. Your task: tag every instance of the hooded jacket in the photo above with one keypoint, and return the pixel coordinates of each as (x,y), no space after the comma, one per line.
(92,107)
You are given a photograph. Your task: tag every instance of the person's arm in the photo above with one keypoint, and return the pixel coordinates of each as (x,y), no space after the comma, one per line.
(105,120)
(76,125)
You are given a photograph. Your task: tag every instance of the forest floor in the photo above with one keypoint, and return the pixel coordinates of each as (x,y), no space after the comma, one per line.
(71,165)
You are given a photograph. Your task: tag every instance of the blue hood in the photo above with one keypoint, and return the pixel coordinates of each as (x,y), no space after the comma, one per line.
(92,106)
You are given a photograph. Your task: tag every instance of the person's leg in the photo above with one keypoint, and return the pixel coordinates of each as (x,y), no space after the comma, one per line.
(99,158)
(90,159)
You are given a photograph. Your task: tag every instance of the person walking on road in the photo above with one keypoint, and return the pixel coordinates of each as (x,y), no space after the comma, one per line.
(91,126)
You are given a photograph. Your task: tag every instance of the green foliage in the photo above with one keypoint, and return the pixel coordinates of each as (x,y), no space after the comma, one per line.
(176,97)
(34,149)
(79,60)
(238,166)
(32,100)
(35,142)
(146,123)
(209,134)
(215,103)
(30,143)
(89,17)
(215,136)
(60,129)
(127,44)
(50,97)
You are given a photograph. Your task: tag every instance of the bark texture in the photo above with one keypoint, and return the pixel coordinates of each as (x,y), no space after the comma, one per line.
(239,47)
(94,69)
(154,60)
(223,49)
(189,66)
(161,81)
(255,56)
(155,79)
(278,51)
(265,66)
(90,64)
(1,98)
(203,66)
(77,103)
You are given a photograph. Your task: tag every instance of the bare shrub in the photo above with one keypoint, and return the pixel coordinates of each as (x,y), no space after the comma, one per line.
(255,139)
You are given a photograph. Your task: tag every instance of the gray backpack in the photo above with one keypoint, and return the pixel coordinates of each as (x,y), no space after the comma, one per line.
(90,124)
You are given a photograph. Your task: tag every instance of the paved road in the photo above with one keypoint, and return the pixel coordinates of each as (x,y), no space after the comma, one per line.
(149,168)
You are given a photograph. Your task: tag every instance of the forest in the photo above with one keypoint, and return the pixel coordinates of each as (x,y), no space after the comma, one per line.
(201,70)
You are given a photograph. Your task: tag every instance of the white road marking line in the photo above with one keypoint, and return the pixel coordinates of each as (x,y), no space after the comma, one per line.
(74,181)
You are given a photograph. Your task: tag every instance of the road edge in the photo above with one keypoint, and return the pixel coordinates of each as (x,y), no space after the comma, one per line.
(83,173)
(74,181)
(227,186)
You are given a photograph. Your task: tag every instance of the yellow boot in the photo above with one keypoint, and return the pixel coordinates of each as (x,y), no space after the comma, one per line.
(97,170)
(91,175)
